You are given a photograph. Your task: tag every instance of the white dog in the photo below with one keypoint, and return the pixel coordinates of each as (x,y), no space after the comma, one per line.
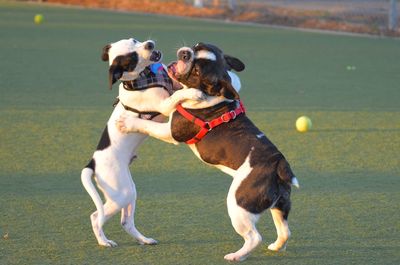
(144,91)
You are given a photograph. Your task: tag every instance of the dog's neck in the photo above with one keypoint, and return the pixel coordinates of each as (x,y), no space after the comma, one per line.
(212,100)
(129,76)
(133,75)
(149,78)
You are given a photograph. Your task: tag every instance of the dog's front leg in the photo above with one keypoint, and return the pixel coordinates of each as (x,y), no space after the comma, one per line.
(169,104)
(128,124)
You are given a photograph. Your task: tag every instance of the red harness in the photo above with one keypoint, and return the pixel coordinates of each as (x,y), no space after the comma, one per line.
(207,126)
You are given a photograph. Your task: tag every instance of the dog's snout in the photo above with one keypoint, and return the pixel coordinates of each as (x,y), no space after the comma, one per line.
(149,46)
(184,55)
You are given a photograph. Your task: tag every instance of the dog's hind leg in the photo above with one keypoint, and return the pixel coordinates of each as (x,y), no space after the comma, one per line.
(110,209)
(282,229)
(244,224)
(243,221)
(128,223)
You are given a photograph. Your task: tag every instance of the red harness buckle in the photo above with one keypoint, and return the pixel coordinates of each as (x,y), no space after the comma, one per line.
(228,116)
(207,126)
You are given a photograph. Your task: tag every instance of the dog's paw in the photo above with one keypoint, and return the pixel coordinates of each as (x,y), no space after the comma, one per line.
(126,123)
(108,243)
(148,241)
(199,95)
(195,94)
(277,247)
(234,257)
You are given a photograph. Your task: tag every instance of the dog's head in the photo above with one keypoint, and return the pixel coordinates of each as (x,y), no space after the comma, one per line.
(205,67)
(128,57)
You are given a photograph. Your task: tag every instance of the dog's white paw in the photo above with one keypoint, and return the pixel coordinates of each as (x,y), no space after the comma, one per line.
(234,257)
(126,123)
(148,241)
(195,94)
(199,96)
(108,243)
(277,247)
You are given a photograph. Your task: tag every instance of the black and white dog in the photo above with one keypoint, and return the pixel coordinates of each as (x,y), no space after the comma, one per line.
(220,134)
(144,92)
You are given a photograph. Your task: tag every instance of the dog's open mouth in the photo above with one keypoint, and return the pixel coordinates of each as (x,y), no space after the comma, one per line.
(172,73)
(155,56)
(172,70)
(178,69)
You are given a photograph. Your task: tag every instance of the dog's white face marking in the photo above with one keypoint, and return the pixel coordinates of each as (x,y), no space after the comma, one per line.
(127,46)
(121,47)
(203,54)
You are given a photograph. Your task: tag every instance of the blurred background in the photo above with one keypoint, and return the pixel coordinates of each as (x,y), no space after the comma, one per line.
(378,17)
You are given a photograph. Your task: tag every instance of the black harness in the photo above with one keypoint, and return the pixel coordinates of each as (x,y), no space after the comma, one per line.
(146,115)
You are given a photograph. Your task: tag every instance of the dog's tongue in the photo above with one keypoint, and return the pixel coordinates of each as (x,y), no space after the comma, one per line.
(171,69)
(180,66)
(176,85)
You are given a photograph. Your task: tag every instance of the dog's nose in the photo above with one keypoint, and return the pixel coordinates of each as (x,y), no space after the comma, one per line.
(149,46)
(184,55)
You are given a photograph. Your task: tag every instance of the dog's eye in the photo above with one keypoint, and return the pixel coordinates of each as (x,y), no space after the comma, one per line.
(134,41)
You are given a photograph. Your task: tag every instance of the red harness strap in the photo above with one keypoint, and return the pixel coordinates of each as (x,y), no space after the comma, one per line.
(207,126)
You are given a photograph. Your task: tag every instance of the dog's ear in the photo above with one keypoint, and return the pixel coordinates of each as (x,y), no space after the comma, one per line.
(104,55)
(210,89)
(227,90)
(115,73)
(214,86)
(235,63)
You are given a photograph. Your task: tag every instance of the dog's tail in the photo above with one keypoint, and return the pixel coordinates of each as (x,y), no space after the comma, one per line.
(286,174)
(86,178)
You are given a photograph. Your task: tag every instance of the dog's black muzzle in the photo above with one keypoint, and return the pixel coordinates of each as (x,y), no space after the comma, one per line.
(155,56)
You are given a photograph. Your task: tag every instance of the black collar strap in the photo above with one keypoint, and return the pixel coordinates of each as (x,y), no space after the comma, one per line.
(145,115)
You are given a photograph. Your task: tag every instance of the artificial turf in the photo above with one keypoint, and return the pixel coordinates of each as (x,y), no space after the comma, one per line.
(55,102)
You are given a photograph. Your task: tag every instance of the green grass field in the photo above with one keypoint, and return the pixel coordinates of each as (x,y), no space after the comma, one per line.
(55,102)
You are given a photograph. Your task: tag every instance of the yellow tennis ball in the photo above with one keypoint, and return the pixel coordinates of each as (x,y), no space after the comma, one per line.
(303,124)
(38,18)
